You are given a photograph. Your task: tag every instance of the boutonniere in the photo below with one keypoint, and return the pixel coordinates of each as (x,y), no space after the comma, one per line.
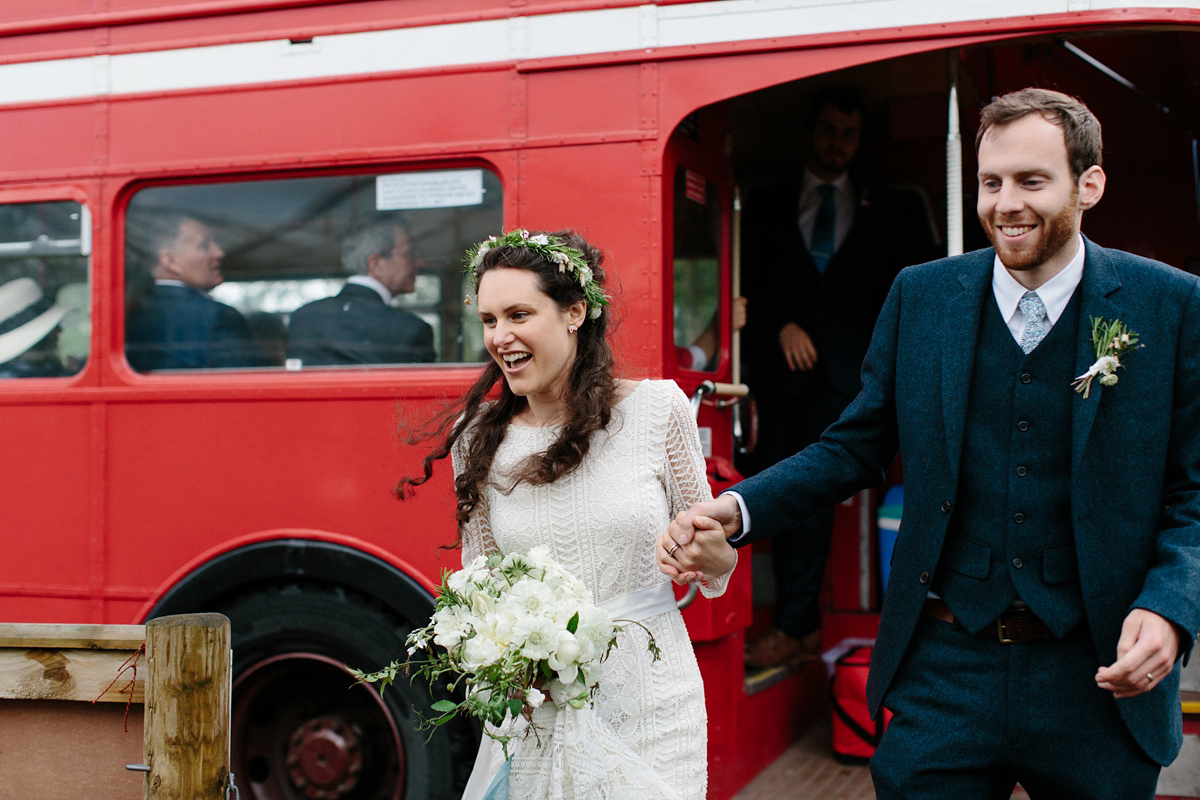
(1113,341)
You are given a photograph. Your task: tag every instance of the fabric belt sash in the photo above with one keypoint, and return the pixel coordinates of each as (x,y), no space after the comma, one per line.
(642,604)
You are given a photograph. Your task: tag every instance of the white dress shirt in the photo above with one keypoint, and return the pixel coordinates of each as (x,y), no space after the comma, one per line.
(371,283)
(1055,293)
(810,203)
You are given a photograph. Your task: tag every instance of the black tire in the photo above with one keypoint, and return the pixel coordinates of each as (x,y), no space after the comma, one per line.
(298,718)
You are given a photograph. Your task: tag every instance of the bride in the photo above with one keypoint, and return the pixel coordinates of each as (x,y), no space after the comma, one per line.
(593,467)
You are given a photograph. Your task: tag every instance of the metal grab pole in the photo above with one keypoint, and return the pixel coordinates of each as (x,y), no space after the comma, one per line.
(735,264)
(954,187)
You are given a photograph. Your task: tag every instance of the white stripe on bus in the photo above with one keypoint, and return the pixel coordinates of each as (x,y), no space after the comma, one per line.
(535,36)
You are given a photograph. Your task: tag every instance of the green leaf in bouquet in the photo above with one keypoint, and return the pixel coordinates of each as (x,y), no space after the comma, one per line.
(445,706)
(514,706)
(573,623)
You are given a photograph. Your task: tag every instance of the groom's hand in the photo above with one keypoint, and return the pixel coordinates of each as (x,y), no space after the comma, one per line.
(684,564)
(1145,655)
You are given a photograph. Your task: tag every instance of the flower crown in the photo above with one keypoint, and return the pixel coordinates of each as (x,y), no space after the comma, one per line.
(554,250)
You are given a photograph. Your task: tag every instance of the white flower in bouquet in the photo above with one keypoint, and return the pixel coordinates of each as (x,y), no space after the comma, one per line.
(511,630)
(564,659)
(594,633)
(536,636)
(451,626)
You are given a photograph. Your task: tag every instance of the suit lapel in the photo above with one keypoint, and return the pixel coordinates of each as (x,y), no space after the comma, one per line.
(959,336)
(1098,282)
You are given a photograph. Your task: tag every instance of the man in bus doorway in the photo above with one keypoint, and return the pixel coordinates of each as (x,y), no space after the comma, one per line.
(817,272)
(1045,395)
(359,325)
(174,323)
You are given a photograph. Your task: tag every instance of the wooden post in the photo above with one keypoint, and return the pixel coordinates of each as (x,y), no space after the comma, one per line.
(187,707)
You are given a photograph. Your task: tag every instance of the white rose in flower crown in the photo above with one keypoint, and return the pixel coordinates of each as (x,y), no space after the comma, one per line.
(541,238)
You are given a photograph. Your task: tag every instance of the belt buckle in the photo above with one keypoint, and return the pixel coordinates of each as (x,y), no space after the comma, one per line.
(1001,631)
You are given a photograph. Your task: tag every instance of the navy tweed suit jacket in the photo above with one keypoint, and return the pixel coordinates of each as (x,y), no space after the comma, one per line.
(1135,456)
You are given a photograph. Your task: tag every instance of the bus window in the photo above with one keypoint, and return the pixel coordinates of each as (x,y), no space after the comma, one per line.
(45,321)
(697,271)
(345,271)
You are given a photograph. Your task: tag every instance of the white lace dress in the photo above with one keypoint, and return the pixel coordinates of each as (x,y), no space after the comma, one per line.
(646,736)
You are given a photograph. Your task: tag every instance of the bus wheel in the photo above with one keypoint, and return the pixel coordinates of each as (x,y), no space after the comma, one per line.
(303,730)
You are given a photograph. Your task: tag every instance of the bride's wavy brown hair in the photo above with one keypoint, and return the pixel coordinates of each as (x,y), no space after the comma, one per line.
(590,392)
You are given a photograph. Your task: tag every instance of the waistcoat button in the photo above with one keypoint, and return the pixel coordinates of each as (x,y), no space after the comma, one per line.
(1022,426)
(1022,472)
(1026,378)
(946,506)
(1018,517)
(923,577)
(1018,563)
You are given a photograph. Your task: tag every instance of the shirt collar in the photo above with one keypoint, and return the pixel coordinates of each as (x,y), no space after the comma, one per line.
(810,182)
(180,284)
(1055,293)
(371,283)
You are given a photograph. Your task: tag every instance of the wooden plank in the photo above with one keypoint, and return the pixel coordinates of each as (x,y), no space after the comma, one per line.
(85,675)
(51,750)
(187,707)
(74,637)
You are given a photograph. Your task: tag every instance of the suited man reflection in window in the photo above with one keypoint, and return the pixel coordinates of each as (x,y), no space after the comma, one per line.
(172,323)
(820,252)
(359,325)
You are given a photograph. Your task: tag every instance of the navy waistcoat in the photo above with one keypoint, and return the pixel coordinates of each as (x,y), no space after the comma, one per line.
(1011,536)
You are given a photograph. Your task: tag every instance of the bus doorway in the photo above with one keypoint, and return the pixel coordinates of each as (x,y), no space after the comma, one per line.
(1138,82)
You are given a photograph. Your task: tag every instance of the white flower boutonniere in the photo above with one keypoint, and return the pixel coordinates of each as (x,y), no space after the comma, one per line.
(1113,342)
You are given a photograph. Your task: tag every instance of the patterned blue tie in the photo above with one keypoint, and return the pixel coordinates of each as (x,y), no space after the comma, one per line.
(823,229)
(1036,324)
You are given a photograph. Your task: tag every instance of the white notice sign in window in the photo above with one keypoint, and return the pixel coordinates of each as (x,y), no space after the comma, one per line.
(442,189)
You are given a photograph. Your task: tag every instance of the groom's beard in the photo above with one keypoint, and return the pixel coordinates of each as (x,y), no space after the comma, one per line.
(1052,234)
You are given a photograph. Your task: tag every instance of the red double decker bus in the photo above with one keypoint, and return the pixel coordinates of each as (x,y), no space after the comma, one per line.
(261,488)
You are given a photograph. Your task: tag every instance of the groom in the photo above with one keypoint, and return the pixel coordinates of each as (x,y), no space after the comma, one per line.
(1046,581)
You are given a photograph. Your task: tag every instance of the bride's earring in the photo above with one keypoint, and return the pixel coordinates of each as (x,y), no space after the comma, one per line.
(572,328)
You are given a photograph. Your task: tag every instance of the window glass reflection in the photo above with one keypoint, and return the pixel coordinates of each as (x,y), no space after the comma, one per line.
(697,271)
(45,318)
(309,273)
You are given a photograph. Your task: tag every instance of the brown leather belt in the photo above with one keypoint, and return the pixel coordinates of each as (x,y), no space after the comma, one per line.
(1014,625)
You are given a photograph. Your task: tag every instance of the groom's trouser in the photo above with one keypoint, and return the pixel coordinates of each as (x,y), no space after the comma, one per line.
(972,717)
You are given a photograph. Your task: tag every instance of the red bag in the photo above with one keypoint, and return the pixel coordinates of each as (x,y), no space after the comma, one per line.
(855,734)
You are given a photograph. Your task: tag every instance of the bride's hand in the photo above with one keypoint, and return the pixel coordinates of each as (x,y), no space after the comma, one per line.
(709,555)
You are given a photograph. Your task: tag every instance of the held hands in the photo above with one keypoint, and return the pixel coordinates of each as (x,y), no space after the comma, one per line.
(798,347)
(696,546)
(1145,655)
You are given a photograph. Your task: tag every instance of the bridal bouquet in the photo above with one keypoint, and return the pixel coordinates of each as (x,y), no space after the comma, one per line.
(514,629)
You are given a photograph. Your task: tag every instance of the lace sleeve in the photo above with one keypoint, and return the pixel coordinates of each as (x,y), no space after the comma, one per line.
(686,477)
(477,533)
